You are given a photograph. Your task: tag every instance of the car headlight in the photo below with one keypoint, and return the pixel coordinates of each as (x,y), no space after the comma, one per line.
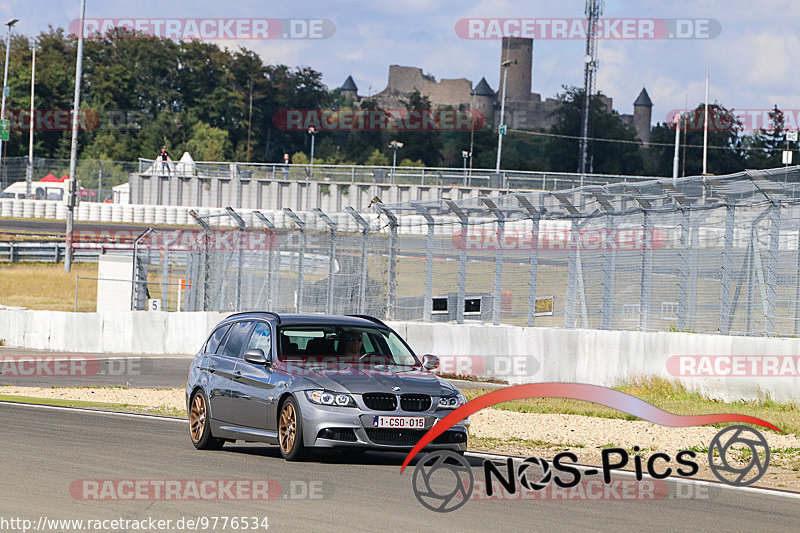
(325,397)
(453,401)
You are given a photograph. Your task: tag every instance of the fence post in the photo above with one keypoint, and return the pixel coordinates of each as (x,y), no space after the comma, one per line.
(498,260)
(572,275)
(727,271)
(646,285)
(533,215)
(240,255)
(135,290)
(165,278)
(332,260)
(609,275)
(269,277)
(772,267)
(427,304)
(300,256)
(462,260)
(683,270)
(391,295)
(693,258)
(362,289)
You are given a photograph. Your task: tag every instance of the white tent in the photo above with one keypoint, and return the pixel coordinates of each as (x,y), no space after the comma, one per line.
(122,193)
(186,166)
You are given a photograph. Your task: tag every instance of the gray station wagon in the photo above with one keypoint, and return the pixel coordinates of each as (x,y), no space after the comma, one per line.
(316,381)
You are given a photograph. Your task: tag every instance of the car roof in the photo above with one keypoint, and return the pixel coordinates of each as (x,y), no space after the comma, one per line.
(295,319)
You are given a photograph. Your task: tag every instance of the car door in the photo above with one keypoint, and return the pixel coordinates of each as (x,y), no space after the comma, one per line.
(256,382)
(225,393)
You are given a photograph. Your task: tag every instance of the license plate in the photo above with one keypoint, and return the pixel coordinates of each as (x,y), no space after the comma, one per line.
(398,422)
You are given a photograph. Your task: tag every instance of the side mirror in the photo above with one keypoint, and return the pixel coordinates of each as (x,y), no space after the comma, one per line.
(430,362)
(256,357)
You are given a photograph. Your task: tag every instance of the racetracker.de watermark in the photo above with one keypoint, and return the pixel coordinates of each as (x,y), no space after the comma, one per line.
(742,366)
(379,119)
(183,239)
(632,239)
(735,119)
(204,28)
(194,490)
(25,366)
(576,28)
(61,119)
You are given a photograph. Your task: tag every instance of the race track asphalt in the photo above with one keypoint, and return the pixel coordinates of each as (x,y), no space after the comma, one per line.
(46,450)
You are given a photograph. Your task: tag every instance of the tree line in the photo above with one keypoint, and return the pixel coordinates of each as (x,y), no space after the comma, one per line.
(218,104)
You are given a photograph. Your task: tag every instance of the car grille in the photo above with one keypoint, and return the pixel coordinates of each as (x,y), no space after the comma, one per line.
(410,437)
(415,402)
(378,401)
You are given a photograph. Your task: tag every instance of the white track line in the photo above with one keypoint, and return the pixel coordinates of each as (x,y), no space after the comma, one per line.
(96,411)
(689,481)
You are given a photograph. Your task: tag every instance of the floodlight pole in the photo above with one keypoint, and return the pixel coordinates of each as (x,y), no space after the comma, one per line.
(73,152)
(29,173)
(500,127)
(675,160)
(5,82)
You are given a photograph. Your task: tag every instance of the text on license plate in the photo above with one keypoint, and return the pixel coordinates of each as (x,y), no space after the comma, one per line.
(416,422)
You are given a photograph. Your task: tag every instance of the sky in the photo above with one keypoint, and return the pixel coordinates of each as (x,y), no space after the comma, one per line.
(753,57)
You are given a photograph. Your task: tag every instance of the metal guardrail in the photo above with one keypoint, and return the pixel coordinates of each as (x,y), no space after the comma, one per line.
(450,176)
(45,252)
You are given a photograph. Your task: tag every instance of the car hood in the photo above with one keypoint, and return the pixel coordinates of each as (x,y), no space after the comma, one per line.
(380,378)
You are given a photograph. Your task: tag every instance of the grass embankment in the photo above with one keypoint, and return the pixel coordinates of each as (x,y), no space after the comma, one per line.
(106,406)
(46,286)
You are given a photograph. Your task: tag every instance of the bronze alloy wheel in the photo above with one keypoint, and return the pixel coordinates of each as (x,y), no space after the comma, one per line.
(287,431)
(197,417)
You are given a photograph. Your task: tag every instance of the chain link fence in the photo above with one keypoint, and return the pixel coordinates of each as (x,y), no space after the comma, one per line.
(701,254)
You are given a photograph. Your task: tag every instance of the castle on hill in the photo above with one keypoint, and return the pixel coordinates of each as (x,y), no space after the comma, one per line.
(525,110)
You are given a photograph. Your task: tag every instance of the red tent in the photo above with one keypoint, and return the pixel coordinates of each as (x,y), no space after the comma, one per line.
(52,179)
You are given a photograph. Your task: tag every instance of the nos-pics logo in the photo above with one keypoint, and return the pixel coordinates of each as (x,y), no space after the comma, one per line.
(443,481)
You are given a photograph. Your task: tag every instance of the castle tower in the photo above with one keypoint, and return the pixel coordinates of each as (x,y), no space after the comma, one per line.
(349,88)
(483,99)
(518,84)
(642,116)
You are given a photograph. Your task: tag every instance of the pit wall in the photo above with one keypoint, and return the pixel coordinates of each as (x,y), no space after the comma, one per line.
(516,354)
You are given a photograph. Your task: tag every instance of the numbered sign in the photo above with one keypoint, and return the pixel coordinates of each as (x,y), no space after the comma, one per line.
(154,304)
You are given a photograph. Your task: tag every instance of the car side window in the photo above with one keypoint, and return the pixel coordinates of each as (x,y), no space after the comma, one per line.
(236,339)
(213,341)
(261,339)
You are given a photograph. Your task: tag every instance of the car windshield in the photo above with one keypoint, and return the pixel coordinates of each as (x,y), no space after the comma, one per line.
(343,343)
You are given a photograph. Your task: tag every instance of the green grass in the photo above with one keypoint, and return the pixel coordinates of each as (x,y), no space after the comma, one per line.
(46,286)
(497,444)
(663,394)
(124,407)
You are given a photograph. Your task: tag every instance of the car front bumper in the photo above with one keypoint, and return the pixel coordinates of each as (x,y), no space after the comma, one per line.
(351,427)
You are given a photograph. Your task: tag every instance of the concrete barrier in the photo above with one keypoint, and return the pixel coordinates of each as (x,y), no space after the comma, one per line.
(550,354)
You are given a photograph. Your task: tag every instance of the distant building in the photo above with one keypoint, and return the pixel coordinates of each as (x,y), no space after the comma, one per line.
(524,110)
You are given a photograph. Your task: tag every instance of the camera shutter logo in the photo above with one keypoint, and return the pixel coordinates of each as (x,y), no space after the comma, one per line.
(743,438)
(544,479)
(443,481)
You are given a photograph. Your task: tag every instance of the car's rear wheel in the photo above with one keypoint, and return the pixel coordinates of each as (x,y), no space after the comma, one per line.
(199,426)
(290,431)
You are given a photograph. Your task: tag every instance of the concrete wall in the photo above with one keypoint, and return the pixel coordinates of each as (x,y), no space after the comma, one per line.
(550,354)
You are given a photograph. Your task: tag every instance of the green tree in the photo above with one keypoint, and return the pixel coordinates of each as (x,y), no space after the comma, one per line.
(604,157)
(208,143)
(377,159)
(765,145)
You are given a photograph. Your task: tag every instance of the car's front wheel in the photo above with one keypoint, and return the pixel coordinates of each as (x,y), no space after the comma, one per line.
(199,426)
(290,431)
